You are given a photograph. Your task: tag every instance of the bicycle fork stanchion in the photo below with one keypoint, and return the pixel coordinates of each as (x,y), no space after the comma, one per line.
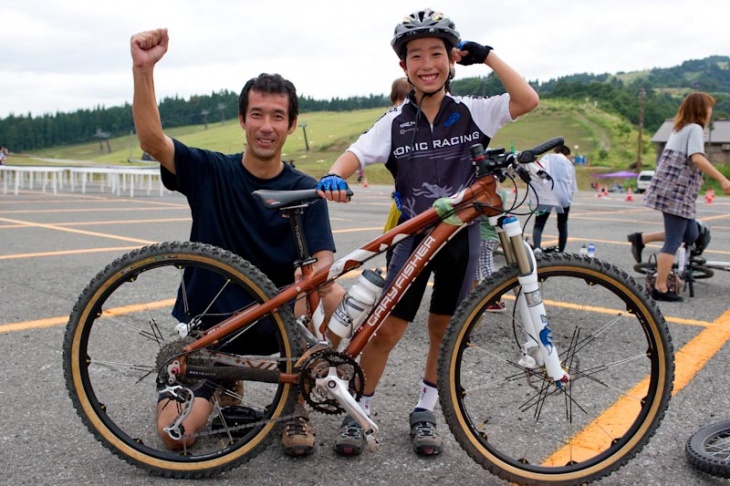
(532,308)
(337,388)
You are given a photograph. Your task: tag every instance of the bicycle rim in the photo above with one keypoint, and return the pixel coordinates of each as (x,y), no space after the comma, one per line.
(708,450)
(614,344)
(121,330)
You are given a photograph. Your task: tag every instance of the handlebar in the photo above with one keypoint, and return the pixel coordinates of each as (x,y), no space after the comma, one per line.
(490,161)
(530,155)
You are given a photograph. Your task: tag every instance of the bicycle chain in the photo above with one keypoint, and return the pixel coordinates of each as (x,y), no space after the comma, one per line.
(356,383)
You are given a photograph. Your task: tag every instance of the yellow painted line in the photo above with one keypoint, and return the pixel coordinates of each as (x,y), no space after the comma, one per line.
(102,223)
(72,230)
(37,324)
(95,210)
(612,423)
(116,311)
(67,252)
(355,230)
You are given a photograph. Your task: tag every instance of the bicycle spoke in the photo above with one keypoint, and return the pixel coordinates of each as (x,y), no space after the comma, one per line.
(518,416)
(112,364)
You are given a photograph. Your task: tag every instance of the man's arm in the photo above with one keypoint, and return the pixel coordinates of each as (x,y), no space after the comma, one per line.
(147,49)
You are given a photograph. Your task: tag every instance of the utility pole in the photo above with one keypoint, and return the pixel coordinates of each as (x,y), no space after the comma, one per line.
(221,107)
(304,130)
(205,114)
(642,95)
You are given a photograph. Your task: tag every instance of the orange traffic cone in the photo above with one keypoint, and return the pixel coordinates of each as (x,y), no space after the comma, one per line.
(629,195)
(709,195)
(364,182)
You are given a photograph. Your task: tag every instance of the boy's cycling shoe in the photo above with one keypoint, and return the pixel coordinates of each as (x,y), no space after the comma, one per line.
(352,440)
(426,440)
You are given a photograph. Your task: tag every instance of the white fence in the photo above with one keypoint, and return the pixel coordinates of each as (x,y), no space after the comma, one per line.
(117,180)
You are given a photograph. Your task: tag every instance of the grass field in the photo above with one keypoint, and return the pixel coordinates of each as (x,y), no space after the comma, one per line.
(609,142)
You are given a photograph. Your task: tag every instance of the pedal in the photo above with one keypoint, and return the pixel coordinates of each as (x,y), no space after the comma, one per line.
(337,388)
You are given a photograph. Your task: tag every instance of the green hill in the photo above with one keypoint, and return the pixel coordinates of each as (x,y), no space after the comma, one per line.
(608,141)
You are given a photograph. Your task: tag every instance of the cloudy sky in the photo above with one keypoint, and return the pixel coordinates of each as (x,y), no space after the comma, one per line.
(62,56)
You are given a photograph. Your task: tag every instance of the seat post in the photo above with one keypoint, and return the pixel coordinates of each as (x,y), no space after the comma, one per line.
(294,215)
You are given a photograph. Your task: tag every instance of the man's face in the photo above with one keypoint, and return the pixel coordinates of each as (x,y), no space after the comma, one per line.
(427,64)
(267,124)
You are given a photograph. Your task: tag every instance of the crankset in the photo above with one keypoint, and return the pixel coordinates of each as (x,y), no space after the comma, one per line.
(318,366)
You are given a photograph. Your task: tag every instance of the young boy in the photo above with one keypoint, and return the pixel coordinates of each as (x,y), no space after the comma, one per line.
(425,144)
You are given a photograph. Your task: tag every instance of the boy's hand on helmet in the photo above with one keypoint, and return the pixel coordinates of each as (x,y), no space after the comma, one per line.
(469,53)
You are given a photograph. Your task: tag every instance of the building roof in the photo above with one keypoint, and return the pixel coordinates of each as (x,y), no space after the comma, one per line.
(720,132)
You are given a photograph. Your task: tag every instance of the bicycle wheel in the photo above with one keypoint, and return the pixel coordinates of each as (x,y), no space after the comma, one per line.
(515,422)
(701,272)
(708,450)
(648,267)
(121,334)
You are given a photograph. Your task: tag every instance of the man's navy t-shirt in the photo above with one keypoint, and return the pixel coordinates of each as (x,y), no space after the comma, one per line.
(225,214)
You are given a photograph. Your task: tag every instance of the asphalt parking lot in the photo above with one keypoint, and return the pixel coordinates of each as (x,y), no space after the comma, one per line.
(52,245)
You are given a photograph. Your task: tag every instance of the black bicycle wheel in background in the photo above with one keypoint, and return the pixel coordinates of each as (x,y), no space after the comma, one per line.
(708,450)
(614,344)
(121,334)
(698,271)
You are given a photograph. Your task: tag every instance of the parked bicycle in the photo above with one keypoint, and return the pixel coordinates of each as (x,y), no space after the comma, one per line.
(535,400)
(708,450)
(689,263)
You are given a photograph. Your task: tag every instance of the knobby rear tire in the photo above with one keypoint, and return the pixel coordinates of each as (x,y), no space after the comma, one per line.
(120,326)
(708,450)
(512,420)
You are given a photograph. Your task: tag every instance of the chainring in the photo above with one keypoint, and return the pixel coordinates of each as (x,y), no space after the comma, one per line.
(318,366)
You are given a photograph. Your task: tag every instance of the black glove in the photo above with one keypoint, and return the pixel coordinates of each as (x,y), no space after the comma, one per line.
(477,53)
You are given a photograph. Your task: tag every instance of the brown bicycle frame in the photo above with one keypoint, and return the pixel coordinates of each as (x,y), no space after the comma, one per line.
(483,191)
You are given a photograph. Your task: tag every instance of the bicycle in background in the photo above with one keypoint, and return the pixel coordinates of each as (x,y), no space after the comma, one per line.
(689,263)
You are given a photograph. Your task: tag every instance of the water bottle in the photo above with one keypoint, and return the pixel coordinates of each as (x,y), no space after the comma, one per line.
(591,250)
(356,304)
(681,259)
(584,250)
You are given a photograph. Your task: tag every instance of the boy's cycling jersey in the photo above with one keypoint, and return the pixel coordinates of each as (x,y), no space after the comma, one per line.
(430,161)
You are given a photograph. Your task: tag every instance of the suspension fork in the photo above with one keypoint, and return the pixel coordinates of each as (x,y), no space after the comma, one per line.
(530,305)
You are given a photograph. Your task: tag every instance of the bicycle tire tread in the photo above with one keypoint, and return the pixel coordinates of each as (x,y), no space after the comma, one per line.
(698,456)
(156,466)
(459,320)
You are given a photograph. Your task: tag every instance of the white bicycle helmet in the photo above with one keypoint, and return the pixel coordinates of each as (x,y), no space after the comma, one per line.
(424,23)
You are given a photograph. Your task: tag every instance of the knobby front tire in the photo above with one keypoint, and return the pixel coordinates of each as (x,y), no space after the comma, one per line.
(122,324)
(708,450)
(614,344)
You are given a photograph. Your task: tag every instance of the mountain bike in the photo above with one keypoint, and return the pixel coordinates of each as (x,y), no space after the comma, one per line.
(535,400)
(708,449)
